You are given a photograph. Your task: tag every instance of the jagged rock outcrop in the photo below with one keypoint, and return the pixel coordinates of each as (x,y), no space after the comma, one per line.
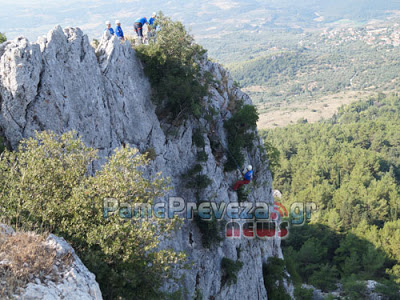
(60,83)
(69,278)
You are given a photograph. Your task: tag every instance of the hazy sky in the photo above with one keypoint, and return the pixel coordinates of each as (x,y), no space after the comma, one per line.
(36,17)
(33,18)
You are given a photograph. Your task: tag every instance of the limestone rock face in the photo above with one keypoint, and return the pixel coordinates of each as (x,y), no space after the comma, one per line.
(61,83)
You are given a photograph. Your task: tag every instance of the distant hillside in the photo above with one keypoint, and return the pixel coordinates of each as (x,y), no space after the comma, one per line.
(318,68)
(313,57)
(333,10)
(311,74)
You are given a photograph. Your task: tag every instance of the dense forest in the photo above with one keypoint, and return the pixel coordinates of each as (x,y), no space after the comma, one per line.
(349,166)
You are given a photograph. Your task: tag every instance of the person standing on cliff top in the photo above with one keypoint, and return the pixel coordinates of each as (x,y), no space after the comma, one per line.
(109,28)
(118,30)
(152,20)
(152,26)
(139,23)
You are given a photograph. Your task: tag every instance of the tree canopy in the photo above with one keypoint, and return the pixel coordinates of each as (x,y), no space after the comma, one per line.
(172,63)
(46,186)
(349,166)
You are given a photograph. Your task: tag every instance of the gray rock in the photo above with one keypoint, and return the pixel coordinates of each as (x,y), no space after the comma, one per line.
(77,283)
(60,83)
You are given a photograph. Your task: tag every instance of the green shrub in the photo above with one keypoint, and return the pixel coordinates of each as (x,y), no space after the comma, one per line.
(236,84)
(230,269)
(199,182)
(302,293)
(244,119)
(202,156)
(198,295)
(95,43)
(354,288)
(1,145)
(198,138)
(195,180)
(325,278)
(291,269)
(46,187)
(172,65)
(150,153)
(389,289)
(212,112)
(3,38)
(274,273)
(243,194)
(210,230)
(193,171)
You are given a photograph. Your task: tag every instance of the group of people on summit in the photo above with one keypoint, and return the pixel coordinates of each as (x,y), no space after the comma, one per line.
(138,27)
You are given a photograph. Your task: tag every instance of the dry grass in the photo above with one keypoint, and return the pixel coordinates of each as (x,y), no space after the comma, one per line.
(25,257)
(313,110)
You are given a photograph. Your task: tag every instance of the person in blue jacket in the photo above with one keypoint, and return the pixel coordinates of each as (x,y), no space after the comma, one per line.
(139,23)
(118,30)
(152,26)
(109,28)
(247,176)
(152,20)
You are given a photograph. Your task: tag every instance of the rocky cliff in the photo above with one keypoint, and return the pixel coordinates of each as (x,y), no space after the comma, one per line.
(61,83)
(56,273)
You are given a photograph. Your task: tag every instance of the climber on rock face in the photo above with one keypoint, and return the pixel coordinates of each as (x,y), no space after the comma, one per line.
(118,30)
(247,176)
(109,28)
(139,23)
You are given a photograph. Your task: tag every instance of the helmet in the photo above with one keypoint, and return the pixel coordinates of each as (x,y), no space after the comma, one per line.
(108,23)
(154,14)
(117,22)
(249,167)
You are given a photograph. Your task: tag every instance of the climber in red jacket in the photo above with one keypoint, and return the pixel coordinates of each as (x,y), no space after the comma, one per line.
(247,176)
